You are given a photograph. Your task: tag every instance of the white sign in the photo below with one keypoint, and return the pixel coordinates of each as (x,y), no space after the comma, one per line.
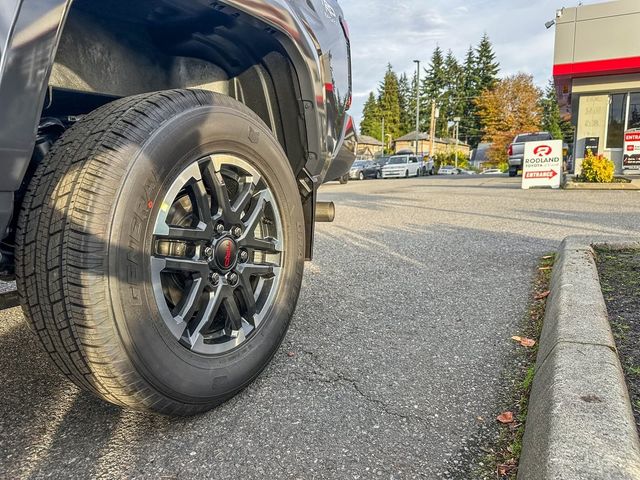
(542,165)
(631,156)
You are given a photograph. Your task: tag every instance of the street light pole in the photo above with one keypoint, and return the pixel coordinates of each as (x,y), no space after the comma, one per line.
(417,62)
(383,149)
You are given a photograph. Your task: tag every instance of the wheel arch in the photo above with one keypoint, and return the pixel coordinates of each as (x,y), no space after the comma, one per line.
(92,51)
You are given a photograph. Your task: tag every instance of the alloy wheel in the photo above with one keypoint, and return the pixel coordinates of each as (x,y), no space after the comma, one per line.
(217,253)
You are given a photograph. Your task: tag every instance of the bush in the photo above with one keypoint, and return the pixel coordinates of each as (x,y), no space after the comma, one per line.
(597,169)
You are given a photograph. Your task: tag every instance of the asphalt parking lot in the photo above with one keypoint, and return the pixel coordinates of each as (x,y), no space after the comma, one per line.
(392,367)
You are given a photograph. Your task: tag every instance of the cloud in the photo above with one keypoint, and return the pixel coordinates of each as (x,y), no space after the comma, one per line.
(399,32)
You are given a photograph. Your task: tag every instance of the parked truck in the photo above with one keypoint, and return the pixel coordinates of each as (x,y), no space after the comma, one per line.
(160,161)
(515,150)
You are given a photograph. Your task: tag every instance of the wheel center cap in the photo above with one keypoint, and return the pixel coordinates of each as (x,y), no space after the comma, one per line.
(226,254)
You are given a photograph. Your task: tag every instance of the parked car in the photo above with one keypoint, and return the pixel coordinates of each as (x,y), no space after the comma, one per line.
(382,161)
(492,171)
(427,167)
(516,149)
(400,166)
(363,169)
(158,231)
(463,171)
(448,170)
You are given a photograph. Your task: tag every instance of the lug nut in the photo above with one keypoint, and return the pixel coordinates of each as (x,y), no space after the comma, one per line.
(236,231)
(208,252)
(215,278)
(220,228)
(233,278)
(244,256)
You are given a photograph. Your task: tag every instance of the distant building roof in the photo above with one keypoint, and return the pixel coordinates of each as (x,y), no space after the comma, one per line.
(411,137)
(367,140)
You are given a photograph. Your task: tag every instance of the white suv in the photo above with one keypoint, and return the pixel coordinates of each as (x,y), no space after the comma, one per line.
(401,166)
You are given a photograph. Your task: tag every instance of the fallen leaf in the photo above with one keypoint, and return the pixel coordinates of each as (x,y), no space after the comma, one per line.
(527,342)
(543,295)
(291,354)
(507,468)
(506,417)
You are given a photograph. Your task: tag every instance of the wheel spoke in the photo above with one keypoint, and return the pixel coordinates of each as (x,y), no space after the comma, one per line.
(256,214)
(244,197)
(190,302)
(186,265)
(248,298)
(266,245)
(256,270)
(186,234)
(215,181)
(206,316)
(201,203)
(234,319)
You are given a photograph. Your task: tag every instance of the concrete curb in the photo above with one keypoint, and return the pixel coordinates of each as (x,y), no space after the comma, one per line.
(633,186)
(569,183)
(580,424)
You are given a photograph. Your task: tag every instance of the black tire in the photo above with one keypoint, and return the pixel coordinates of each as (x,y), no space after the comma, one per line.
(84,243)
(513,172)
(344,179)
(378,175)
(361,176)
(406,174)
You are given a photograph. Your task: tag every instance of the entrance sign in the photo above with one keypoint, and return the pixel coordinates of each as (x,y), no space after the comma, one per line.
(542,166)
(631,155)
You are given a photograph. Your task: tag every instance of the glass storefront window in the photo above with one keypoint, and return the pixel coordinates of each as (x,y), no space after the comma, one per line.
(617,110)
(634,111)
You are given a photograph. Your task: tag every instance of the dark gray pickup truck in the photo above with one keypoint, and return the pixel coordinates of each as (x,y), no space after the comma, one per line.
(159,166)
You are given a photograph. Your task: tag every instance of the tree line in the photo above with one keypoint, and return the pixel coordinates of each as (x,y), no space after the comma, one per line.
(491,109)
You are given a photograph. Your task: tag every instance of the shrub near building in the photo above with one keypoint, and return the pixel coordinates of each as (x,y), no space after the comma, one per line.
(597,169)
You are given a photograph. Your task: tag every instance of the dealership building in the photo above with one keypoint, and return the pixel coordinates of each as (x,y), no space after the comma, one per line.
(597,75)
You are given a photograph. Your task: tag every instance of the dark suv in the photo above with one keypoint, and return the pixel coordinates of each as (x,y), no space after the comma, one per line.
(160,161)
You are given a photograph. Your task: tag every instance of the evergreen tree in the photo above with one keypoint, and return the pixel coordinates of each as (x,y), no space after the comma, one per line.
(389,101)
(469,127)
(487,67)
(407,116)
(551,120)
(433,85)
(450,100)
(482,70)
(371,118)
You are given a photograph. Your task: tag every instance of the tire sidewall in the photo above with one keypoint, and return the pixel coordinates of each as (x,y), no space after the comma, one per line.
(173,370)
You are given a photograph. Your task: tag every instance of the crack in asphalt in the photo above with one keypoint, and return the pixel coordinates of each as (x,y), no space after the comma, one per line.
(339,377)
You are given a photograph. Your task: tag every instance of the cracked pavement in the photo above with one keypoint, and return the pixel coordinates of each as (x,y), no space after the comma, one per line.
(392,368)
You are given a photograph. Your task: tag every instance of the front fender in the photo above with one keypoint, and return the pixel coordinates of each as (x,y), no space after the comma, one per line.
(308,31)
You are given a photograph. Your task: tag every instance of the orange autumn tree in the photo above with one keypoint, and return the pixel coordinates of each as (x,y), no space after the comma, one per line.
(513,106)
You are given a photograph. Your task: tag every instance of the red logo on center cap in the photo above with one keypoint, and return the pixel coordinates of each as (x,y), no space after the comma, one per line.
(227,255)
(542,150)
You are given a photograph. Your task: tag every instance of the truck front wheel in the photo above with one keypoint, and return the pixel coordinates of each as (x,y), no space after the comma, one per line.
(160,251)
(513,171)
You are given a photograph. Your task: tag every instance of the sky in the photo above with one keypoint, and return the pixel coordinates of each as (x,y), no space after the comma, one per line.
(400,31)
